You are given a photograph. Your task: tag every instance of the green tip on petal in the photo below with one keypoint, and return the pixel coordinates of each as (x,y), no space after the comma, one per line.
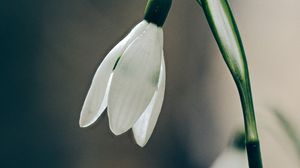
(157,11)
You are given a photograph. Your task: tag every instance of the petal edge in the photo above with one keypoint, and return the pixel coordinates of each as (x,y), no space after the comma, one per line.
(96,99)
(144,126)
(133,84)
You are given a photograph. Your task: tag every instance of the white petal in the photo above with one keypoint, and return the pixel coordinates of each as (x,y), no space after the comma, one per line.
(144,126)
(135,80)
(96,100)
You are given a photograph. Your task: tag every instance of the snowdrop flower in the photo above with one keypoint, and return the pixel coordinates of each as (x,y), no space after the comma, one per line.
(130,81)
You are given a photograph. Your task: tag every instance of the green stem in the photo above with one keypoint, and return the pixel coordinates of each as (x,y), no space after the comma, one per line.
(157,11)
(225,31)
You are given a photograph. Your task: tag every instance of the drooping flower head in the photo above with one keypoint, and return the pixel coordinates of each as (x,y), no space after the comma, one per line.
(130,81)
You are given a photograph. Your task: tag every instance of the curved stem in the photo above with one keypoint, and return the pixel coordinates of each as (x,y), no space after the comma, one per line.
(225,31)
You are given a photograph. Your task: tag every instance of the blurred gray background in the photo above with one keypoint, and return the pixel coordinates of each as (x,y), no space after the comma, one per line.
(51,49)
